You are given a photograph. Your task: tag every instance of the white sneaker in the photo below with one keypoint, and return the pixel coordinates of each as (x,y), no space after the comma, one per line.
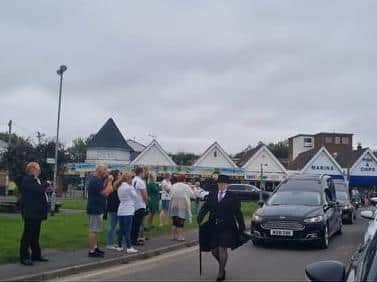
(119,249)
(112,247)
(132,251)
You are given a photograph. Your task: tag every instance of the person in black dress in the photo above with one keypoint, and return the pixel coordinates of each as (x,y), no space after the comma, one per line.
(224,225)
(34,209)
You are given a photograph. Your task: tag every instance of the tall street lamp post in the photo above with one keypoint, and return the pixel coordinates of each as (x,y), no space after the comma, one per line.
(60,72)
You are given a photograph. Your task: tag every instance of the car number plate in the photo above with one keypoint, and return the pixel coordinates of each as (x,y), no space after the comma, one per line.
(281,232)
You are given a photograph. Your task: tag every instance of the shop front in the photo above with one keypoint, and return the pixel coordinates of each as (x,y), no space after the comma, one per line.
(323,163)
(363,173)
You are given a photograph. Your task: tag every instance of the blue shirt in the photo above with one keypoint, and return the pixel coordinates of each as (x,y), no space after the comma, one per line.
(96,201)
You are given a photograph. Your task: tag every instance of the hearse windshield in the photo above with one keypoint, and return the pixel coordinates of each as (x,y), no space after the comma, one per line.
(299,198)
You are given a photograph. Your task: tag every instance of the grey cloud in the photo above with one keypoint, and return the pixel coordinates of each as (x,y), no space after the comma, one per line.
(191,72)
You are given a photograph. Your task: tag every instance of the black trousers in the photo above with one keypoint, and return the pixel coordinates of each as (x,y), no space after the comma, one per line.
(30,239)
(136,223)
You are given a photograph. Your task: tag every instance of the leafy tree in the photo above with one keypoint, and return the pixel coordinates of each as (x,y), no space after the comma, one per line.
(13,137)
(22,151)
(182,158)
(46,149)
(18,155)
(77,152)
(279,149)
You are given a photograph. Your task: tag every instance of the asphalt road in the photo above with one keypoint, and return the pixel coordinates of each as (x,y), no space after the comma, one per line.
(275,262)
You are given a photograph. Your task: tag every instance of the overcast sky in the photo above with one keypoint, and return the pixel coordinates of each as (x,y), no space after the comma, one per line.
(191,72)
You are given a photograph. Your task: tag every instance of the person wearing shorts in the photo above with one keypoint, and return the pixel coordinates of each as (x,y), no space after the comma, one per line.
(95,222)
(165,199)
(99,187)
(165,205)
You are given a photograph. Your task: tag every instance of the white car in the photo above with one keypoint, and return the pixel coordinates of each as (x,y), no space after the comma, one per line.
(371,215)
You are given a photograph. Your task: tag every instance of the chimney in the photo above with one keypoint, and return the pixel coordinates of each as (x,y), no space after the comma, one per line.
(359,147)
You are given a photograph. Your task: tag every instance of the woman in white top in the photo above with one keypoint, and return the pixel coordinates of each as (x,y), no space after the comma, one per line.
(165,199)
(127,197)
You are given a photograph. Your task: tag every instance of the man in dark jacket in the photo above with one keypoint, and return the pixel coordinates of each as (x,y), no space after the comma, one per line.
(34,209)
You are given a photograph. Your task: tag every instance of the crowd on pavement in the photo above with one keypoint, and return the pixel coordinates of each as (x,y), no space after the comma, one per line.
(132,200)
(131,196)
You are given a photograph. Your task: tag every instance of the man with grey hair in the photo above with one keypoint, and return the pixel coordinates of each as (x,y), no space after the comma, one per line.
(99,187)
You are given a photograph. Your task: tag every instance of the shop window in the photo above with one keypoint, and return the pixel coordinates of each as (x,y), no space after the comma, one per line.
(337,140)
(328,140)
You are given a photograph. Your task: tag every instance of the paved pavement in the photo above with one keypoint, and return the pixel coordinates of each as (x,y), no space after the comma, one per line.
(74,258)
(275,262)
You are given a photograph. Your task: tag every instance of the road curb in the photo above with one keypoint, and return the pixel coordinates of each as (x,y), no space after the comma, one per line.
(57,273)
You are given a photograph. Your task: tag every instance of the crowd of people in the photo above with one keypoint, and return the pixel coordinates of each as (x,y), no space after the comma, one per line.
(131,201)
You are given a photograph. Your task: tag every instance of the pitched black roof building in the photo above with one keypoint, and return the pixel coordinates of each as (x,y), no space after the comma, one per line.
(109,136)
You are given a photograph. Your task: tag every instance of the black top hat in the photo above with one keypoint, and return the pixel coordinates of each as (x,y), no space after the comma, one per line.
(223,179)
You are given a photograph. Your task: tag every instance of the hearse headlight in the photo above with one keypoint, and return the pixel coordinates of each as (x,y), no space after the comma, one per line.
(315,219)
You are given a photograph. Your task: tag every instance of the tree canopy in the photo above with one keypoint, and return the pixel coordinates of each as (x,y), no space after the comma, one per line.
(22,151)
(182,158)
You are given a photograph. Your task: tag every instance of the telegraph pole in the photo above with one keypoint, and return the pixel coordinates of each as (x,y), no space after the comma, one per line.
(9,133)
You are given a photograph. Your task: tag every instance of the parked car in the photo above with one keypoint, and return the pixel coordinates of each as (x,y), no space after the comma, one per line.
(370,215)
(348,210)
(299,210)
(247,192)
(363,267)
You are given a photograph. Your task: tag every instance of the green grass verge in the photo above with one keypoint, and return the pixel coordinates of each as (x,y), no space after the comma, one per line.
(69,232)
(73,204)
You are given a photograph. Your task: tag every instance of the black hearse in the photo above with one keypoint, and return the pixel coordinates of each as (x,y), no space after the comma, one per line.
(301,209)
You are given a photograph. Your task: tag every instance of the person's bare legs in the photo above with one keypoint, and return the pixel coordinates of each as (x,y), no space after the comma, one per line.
(180,234)
(174,232)
(150,219)
(92,239)
(166,218)
(162,218)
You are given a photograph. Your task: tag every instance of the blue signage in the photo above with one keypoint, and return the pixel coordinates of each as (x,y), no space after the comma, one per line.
(322,167)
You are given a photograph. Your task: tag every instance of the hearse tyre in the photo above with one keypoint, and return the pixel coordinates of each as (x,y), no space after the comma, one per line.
(324,242)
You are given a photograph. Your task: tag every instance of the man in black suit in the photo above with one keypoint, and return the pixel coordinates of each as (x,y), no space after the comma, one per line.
(225,224)
(34,209)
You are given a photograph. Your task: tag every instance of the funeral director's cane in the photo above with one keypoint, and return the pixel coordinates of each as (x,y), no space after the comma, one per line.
(200,261)
(200,254)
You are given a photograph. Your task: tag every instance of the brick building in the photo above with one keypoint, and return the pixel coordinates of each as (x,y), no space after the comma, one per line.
(335,143)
